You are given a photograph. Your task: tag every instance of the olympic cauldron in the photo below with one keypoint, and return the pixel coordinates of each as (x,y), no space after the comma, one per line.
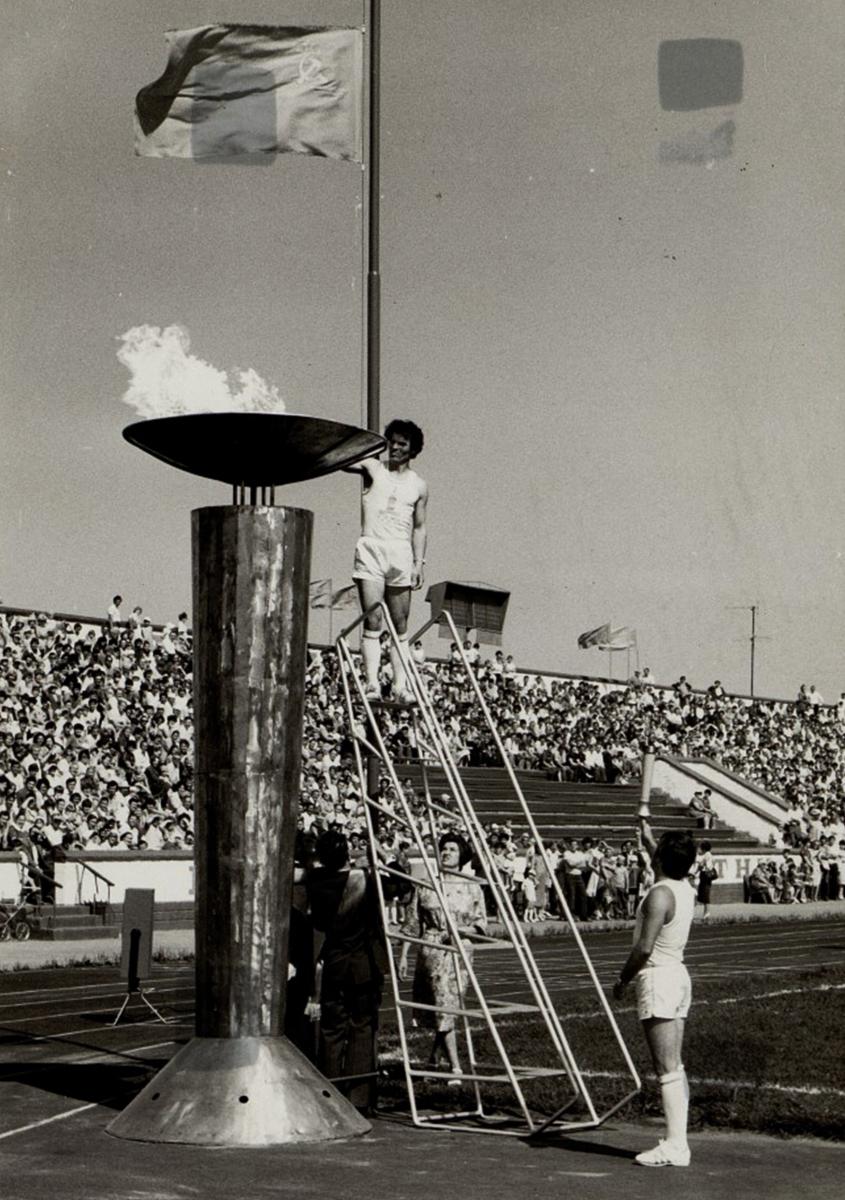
(239,1081)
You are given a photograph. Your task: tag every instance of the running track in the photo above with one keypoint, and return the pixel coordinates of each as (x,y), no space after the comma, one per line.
(61,1018)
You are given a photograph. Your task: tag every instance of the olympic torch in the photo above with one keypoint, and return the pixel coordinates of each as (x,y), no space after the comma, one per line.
(644,811)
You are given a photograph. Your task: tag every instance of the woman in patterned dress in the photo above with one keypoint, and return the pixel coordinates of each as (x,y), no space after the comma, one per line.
(440,978)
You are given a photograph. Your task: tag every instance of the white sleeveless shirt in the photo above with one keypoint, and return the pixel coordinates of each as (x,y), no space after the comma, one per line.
(672,938)
(389,504)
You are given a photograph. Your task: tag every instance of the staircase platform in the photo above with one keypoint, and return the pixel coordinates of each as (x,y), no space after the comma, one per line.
(79,922)
(576,810)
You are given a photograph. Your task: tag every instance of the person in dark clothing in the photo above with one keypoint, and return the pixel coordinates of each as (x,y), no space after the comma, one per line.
(354,959)
(300,1025)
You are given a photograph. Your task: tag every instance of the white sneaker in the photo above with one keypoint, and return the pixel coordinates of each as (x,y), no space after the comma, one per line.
(371,692)
(404,696)
(664,1155)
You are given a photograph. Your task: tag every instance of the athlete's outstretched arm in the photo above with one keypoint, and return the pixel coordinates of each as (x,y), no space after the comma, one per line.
(364,467)
(646,836)
(419,537)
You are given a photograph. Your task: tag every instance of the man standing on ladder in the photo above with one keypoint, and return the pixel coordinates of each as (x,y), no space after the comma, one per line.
(390,554)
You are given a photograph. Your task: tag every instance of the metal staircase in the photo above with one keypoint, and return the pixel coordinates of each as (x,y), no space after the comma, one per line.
(501,1088)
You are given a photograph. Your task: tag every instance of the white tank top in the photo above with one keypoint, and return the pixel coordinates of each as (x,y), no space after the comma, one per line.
(669,947)
(389,504)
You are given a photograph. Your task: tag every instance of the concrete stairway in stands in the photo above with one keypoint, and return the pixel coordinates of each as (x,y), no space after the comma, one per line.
(574,809)
(76,922)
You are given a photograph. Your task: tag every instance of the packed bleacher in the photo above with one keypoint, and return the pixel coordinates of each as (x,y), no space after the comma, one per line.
(96,748)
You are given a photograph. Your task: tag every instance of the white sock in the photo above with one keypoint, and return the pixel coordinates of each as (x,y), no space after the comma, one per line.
(371,654)
(674,1095)
(398,658)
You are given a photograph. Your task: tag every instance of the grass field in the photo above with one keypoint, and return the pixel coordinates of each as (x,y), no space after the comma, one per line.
(760,1055)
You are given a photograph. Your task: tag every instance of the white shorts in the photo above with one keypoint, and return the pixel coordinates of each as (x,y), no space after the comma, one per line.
(664,992)
(391,562)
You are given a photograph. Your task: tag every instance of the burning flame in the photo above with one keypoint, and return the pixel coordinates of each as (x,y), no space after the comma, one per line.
(167,380)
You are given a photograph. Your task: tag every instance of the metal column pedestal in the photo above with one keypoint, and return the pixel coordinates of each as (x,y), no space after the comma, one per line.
(239,1082)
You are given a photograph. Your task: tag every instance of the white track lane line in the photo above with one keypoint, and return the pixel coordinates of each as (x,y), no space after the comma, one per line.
(74,1060)
(53,1016)
(73,1112)
(84,987)
(50,1120)
(57,1037)
(698,1081)
(118,992)
(594,1013)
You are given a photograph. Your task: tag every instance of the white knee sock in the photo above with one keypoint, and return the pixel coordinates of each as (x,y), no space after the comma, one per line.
(371,654)
(674,1094)
(398,658)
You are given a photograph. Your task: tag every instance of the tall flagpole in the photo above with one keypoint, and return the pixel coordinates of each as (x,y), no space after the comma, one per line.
(373,249)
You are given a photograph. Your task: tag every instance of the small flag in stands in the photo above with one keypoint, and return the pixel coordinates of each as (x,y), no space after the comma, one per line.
(345,597)
(320,593)
(621,638)
(594,637)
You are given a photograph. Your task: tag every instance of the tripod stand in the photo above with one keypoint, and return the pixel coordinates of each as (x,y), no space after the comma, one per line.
(133,983)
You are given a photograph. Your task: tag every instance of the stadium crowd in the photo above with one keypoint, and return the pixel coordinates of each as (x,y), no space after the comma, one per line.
(96,750)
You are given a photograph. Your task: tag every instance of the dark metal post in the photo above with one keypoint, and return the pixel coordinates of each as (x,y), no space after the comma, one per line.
(373,213)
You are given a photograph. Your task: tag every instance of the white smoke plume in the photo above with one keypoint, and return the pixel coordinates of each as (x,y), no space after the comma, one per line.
(168,381)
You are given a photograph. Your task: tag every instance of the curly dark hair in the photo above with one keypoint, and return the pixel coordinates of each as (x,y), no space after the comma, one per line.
(676,853)
(409,430)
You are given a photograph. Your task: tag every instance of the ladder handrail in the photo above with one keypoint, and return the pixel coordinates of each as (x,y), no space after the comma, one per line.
(431,869)
(507,912)
(506,759)
(471,824)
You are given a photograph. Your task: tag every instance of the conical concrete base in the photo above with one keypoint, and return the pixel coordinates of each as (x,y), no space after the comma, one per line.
(250,1091)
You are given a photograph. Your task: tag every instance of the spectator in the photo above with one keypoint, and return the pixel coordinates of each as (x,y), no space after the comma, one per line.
(437,984)
(114,611)
(354,959)
(703,874)
(761,884)
(95,726)
(574,863)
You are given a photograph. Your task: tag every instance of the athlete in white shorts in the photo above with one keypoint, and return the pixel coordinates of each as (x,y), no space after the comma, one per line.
(390,554)
(656,963)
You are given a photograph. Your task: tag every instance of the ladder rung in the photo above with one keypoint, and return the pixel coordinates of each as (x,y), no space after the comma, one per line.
(392,816)
(451,1012)
(414,879)
(521,1073)
(417,941)
(505,1006)
(495,1008)
(450,813)
(469,938)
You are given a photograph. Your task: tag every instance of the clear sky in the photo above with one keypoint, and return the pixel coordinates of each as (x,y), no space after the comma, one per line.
(620,327)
